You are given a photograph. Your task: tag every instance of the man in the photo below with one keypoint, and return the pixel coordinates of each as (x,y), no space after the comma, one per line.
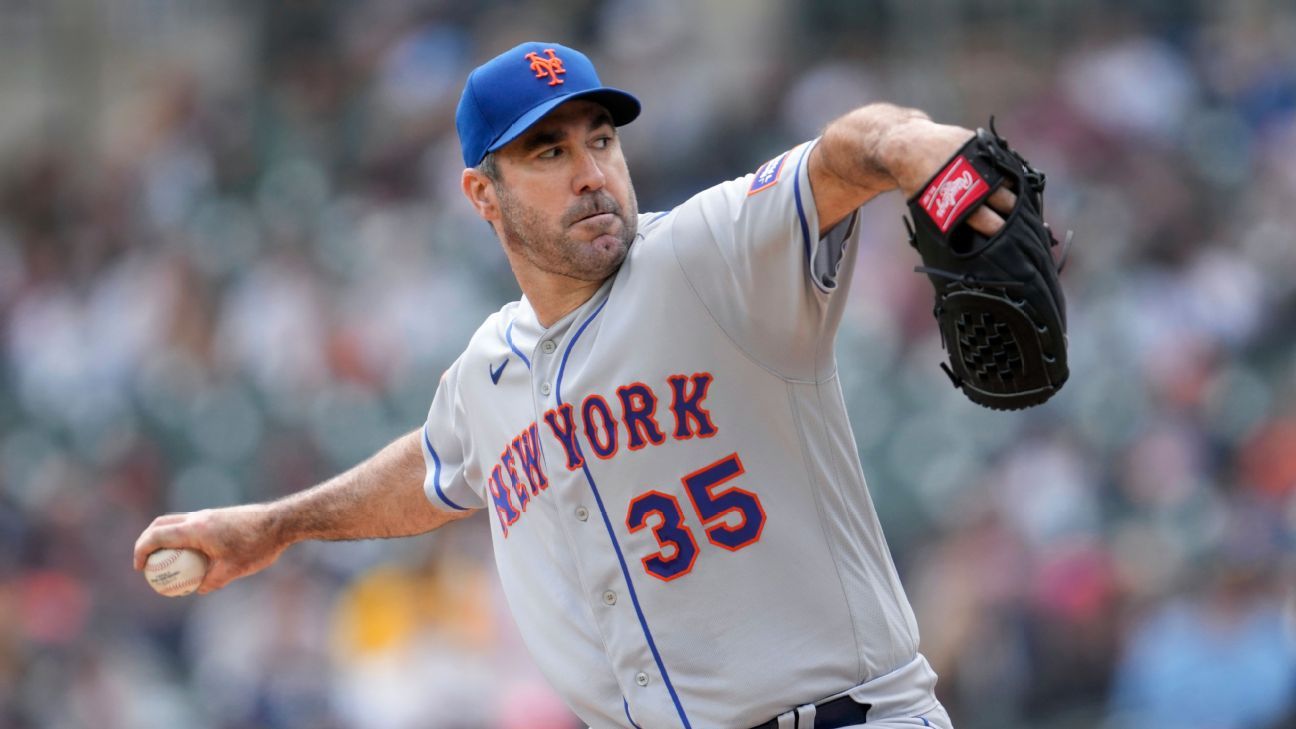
(656,429)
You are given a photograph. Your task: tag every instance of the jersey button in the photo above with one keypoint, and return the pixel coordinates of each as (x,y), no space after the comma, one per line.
(544,388)
(609,598)
(547,346)
(641,678)
(582,513)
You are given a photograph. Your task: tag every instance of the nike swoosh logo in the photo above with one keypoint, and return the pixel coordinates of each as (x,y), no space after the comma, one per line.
(495,373)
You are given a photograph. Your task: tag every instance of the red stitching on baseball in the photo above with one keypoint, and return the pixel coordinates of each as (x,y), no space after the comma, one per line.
(192,581)
(167,562)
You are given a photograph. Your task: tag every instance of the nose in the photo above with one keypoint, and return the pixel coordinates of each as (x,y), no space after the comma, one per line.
(588,175)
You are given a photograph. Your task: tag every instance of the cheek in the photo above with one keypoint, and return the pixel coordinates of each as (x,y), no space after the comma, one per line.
(620,187)
(529,206)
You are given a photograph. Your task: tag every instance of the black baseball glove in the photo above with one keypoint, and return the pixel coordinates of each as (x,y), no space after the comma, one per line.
(998,302)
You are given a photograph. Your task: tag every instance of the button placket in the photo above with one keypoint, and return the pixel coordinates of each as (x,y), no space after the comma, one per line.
(593,564)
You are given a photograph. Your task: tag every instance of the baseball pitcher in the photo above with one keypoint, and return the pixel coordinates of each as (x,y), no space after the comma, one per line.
(656,430)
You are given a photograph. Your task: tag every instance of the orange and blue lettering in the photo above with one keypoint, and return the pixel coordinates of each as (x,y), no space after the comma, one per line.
(690,417)
(500,495)
(506,460)
(606,446)
(565,432)
(638,410)
(527,447)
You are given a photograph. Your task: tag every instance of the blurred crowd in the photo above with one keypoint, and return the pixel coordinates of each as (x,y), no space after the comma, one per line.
(234,259)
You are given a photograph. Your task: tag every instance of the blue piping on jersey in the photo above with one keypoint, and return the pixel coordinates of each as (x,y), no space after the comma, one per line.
(616,546)
(436,472)
(626,704)
(805,226)
(655,218)
(508,337)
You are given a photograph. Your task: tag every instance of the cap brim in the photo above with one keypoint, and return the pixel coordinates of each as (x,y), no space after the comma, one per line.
(623,107)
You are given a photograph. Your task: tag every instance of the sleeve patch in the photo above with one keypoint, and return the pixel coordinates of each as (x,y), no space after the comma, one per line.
(767,175)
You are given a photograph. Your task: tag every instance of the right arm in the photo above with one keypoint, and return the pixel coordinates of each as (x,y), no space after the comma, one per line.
(379,498)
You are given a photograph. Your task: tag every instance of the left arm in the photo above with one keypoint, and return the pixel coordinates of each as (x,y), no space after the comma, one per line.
(881,147)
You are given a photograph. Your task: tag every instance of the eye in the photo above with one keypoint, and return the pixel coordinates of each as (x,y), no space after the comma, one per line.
(602,142)
(550,153)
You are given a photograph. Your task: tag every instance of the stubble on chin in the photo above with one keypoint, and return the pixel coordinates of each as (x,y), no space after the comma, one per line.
(552,250)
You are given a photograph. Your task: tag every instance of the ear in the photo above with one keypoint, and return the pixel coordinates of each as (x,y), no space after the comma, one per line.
(480,191)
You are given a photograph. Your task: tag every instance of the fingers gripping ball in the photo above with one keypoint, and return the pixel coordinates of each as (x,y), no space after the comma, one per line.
(175,572)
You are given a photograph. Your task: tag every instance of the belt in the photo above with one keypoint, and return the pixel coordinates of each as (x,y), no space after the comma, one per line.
(841,711)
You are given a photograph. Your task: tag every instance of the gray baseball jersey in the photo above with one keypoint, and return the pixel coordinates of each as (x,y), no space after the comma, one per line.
(680,519)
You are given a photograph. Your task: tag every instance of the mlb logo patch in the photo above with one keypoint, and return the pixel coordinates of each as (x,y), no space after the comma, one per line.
(767,174)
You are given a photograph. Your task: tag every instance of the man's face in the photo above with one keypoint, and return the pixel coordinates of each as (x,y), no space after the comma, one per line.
(565,199)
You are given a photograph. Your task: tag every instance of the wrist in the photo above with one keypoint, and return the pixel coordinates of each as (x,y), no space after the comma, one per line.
(914,149)
(896,145)
(276,523)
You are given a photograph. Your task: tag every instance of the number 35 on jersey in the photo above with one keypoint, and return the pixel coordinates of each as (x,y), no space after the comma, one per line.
(712,503)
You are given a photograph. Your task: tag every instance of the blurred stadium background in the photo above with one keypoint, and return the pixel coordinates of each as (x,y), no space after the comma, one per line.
(234,259)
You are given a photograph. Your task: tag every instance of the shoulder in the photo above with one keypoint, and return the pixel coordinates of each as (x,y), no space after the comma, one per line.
(485,349)
(490,339)
(649,222)
(769,184)
(652,241)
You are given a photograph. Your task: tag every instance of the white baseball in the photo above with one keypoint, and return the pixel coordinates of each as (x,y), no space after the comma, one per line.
(175,572)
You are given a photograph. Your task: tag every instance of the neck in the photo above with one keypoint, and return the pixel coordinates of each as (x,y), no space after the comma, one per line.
(553,296)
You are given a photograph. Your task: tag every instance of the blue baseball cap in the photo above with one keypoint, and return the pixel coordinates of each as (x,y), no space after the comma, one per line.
(512,91)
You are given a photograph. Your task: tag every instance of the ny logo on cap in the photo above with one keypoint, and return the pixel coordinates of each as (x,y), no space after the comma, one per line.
(550,66)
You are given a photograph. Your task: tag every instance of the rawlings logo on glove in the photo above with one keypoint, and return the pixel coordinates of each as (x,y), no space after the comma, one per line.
(956,192)
(999,305)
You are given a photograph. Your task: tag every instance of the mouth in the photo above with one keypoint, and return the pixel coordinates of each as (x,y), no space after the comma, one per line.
(597,219)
